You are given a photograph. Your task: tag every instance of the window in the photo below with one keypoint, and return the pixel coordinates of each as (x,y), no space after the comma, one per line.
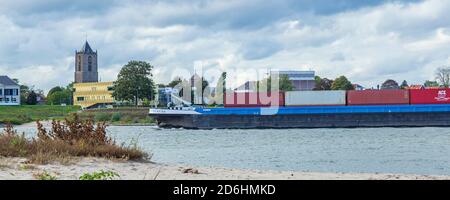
(6,100)
(79,63)
(80,98)
(8,92)
(90,63)
(1,92)
(13,100)
(16,92)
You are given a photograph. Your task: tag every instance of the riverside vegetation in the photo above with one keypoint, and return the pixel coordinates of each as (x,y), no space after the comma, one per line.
(118,116)
(72,137)
(29,113)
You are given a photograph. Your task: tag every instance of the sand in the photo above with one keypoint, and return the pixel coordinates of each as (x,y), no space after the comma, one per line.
(17,169)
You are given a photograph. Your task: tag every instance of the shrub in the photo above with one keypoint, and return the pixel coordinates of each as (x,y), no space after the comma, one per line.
(136,120)
(45,176)
(102,117)
(127,119)
(102,175)
(116,117)
(73,137)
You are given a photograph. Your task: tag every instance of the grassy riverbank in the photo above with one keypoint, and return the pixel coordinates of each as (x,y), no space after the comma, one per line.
(26,113)
(119,116)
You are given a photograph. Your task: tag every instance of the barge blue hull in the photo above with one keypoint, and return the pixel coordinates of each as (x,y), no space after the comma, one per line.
(310,117)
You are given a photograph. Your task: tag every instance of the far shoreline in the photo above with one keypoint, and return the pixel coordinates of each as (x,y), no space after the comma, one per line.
(47,123)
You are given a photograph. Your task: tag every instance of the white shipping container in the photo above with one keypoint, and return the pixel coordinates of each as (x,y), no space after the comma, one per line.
(315,98)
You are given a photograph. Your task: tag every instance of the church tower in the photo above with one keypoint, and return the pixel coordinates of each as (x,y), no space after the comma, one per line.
(86,70)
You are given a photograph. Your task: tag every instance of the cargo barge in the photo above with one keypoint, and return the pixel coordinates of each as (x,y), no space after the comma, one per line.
(305,117)
(317,109)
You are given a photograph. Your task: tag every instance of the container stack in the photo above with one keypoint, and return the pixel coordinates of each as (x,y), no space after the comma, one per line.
(337,98)
(315,98)
(377,97)
(253,99)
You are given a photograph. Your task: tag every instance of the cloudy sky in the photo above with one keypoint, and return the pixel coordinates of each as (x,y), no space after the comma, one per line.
(369,41)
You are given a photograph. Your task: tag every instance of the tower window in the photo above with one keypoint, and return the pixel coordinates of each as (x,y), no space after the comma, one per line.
(79,63)
(89,63)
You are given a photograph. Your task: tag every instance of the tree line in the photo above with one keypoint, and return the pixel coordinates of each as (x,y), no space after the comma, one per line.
(135,83)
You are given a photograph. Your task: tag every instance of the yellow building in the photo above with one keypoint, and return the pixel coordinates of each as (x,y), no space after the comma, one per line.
(93,94)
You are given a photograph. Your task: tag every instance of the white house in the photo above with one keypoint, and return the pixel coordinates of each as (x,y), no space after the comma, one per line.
(9,92)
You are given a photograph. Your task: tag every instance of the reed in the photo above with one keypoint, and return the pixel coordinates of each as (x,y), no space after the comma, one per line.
(71,137)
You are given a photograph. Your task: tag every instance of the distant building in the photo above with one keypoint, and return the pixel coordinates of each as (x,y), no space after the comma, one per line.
(249,86)
(86,68)
(358,87)
(301,80)
(88,92)
(93,95)
(9,92)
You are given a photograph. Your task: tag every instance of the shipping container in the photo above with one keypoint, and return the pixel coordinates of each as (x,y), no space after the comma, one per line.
(312,98)
(377,97)
(430,96)
(253,99)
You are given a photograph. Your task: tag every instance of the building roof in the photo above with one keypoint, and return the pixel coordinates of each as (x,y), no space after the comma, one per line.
(295,75)
(415,87)
(5,80)
(86,48)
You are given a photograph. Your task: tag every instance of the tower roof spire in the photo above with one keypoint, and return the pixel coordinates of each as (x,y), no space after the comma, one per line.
(86,48)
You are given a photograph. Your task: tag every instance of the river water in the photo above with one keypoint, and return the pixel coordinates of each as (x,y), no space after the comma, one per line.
(371,150)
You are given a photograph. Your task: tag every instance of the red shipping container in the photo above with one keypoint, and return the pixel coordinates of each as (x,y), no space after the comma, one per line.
(377,97)
(430,96)
(253,99)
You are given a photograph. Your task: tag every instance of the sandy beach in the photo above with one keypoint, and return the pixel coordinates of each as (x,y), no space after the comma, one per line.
(17,169)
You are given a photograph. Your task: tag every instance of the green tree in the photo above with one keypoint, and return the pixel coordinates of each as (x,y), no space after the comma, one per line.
(134,82)
(284,84)
(390,85)
(161,85)
(31,98)
(404,84)
(431,84)
(323,84)
(59,97)
(317,79)
(174,82)
(55,89)
(342,83)
(70,90)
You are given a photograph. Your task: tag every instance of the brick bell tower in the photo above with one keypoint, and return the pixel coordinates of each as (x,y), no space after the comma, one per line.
(86,68)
